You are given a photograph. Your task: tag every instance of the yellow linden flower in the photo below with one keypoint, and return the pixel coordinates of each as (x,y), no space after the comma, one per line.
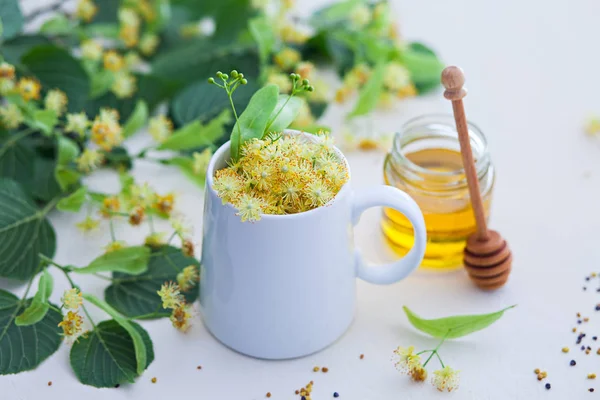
(250,208)
(181,317)
(124,85)
(156,239)
(160,128)
(287,58)
(11,116)
(115,245)
(360,16)
(132,60)
(290,34)
(136,216)
(86,9)
(106,131)
(91,50)
(88,224)
(165,203)
(180,225)
(7,71)
(405,360)
(7,86)
(72,299)
(187,248)
(113,61)
(396,76)
(418,374)
(128,17)
(143,195)
(89,160)
(56,100)
(146,10)
(188,278)
(71,325)
(170,294)
(305,69)
(77,123)
(407,91)
(318,194)
(29,89)
(201,161)
(148,44)
(110,205)
(130,35)
(446,379)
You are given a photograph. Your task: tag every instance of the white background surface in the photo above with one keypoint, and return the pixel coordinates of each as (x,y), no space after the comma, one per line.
(532,72)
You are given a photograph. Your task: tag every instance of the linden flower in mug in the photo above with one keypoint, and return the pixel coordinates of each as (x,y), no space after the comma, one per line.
(282,174)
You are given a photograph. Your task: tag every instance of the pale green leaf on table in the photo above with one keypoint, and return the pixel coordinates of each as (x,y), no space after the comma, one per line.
(253,121)
(39,306)
(368,96)
(195,134)
(17,353)
(424,66)
(132,260)
(74,201)
(137,119)
(24,233)
(114,361)
(262,32)
(284,114)
(135,295)
(455,326)
(136,336)
(11,19)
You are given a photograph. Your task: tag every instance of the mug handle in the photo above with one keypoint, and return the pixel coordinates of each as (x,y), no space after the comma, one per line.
(392,197)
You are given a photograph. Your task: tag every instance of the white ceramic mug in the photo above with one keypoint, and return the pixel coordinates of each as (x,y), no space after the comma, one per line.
(284,286)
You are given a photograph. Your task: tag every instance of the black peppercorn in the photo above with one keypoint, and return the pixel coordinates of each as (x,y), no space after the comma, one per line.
(548,386)
(573,363)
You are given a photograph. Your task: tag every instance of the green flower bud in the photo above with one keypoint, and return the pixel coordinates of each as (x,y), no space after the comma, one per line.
(241,76)
(310,88)
(211,80)
(244,81)
(219,74)
(305,82)
(234,74)
(224,76)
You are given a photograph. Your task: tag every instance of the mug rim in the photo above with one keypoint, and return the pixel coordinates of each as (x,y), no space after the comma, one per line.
(210,171)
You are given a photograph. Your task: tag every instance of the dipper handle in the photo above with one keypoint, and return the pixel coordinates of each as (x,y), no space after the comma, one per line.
(453,80)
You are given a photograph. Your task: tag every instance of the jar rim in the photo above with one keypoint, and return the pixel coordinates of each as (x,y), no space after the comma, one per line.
(478,143)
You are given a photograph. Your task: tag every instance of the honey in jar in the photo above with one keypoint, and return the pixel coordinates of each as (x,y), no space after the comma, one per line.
(426,163)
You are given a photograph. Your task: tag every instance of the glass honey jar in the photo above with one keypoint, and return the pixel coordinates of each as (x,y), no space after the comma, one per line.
(426,163)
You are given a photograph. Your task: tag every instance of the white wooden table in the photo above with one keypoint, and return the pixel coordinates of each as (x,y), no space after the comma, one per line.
(532,72)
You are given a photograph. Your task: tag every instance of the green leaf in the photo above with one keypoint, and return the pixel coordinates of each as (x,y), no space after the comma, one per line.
(132,260)
(203,101)
(368,96)
(334,14)
(13,49)
(186,165)
(195,134)
(285,113)
(44,120)
(135,296)
(262,32)
(74,201)
(11,17)
(45,187)
(101,83)
(199,60)
(136,336)
(56,68)
(23,348)
(253,121)
(24,233)
(66,177)
(17,161)
(114,355)
(67,150)
(57,25)
(424,66)
(137,119)
(454,327)
(37,310)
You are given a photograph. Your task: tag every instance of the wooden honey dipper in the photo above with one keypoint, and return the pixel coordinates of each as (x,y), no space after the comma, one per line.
(487,257)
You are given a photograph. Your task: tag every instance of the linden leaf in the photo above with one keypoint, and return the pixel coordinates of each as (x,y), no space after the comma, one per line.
(132,260)
(74,201)
(368,96)
(23,348)
(455,326)
(106,356)
(24,233)
(285,113)
(135,295)
(195,134)
(39,305)
(137,119)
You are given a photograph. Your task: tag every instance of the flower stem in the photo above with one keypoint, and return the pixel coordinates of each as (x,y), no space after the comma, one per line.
(112,229)
(434,351)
